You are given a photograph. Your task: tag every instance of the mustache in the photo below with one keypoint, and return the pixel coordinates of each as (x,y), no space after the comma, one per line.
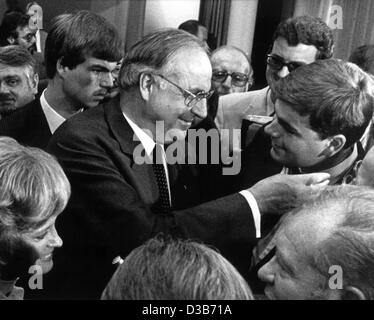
(6,96)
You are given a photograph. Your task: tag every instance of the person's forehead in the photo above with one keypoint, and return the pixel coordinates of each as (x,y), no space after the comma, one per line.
(92,61)
(231,61)
(299,53)
(287,113)
(192,66)
(48,223)
(9,71)
(299,236)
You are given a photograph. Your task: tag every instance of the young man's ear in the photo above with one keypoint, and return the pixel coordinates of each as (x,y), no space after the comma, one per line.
(336,144)
(60,68)
(145,85)
(353,293)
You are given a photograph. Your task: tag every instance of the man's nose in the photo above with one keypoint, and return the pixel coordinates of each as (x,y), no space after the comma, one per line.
(227,82)
(107,80)
(55,240)
(283,72)
(272,130)
(200,109)
(266,273)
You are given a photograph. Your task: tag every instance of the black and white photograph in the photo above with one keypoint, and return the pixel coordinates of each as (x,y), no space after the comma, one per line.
(186,150)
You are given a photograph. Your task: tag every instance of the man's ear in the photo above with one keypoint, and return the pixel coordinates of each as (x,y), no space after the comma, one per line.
(34,83)
(336,143)
(60,69)
(353,293)
(145,85)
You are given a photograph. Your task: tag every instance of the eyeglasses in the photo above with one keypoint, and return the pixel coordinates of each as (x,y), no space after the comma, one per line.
(190,99)
(277,63)
(238,79)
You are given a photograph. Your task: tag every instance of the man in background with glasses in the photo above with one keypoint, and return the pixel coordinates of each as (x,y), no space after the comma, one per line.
(16,29)
(126,189)
(232,72)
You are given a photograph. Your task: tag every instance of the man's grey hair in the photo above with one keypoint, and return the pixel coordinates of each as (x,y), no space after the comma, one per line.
(153,53)
(17,56)
(351,242)
(173,269)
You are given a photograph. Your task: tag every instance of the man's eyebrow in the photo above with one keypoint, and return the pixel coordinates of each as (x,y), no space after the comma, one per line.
(286,125)
(12,76)
(292,61)
(98,66)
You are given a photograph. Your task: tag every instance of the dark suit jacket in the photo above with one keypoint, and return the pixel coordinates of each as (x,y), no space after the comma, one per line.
(113,207)
(27,125)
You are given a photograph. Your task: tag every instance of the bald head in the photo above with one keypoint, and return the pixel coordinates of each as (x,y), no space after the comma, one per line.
(232,71)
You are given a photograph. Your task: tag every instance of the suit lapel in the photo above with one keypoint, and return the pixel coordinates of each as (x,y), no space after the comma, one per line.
(119,127)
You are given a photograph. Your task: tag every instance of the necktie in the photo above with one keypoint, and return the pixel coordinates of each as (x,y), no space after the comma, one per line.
(159,171)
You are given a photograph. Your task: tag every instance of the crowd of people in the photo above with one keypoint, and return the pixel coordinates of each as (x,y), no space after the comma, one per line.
(95,154)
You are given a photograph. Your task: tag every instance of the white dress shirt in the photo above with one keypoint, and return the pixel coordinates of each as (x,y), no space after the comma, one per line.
(54,119)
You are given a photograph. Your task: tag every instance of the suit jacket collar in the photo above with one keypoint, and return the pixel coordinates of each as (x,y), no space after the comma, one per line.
(119,127)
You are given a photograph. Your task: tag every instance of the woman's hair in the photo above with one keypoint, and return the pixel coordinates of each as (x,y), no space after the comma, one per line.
(33,189)
(169,269)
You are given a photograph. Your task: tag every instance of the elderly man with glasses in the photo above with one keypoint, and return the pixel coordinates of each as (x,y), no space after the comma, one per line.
(125,187)
(232,72)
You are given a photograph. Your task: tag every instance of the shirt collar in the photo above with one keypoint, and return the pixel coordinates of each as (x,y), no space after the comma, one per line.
(54,119)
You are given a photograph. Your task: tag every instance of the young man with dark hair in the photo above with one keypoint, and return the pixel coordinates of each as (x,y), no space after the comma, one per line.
(196,28)
(81,55)
(321,111)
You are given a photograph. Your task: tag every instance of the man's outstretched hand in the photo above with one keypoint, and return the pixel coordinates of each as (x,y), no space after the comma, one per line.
(281,193)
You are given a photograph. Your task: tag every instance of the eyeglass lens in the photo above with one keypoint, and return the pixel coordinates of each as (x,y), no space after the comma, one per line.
(278,63)
(239,79)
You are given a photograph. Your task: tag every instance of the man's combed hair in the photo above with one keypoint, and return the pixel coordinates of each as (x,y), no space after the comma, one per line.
(169,269)
(336,95)
(351,242)
(191,26)
(307,30)
(75,36)
(17,56)
(33,188)
(153,53)
(9,25)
